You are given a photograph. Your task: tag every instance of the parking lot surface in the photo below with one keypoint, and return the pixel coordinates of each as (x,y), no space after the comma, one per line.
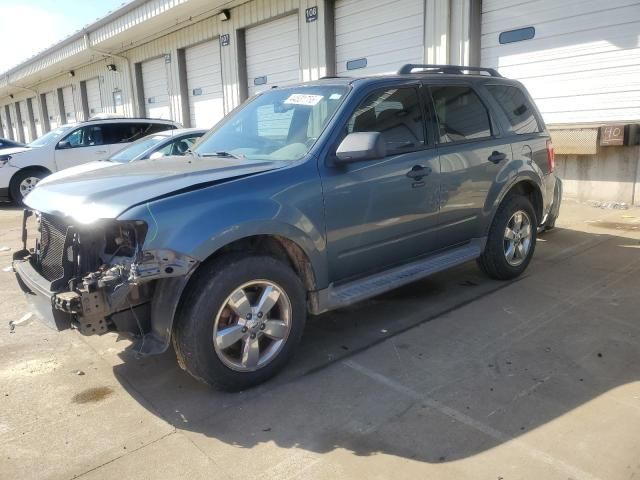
(454,377)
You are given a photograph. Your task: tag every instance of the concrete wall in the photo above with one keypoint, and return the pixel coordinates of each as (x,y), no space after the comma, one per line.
(611,175)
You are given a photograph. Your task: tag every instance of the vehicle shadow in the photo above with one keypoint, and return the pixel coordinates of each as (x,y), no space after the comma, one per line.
(437,371)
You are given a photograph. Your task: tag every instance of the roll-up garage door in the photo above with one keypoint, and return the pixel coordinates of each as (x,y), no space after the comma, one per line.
(156,88)
(36,117)
(5,125)
(378,37)
(52,110)
(204,83)
(69,105)
(94,99)
(24,119)
(273,54)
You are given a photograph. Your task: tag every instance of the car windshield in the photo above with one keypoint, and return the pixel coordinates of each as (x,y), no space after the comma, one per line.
(279,124)
(50,137)
(136,148)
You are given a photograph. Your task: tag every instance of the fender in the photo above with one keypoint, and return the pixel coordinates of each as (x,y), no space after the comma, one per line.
(515,172)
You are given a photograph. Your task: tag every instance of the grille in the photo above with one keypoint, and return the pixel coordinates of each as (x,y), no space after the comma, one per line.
(53,235)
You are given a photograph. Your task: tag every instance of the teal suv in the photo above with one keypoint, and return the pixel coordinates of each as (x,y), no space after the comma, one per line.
(305,199)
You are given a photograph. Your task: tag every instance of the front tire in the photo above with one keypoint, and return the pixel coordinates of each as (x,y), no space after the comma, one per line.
(240,321)
(23,182)
(512,239)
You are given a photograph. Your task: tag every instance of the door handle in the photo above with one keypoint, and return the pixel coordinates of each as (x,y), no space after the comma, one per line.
(497,157)
(100,152)
(418,171)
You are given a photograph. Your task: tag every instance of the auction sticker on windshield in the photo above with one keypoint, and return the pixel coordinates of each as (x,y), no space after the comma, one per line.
(302,99)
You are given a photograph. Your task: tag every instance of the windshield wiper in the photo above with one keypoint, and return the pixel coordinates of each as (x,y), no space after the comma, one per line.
(222,155)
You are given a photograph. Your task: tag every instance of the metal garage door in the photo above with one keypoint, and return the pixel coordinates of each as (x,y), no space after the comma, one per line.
(5,125)
(24,119)
(52,110)
(204,83)
(273,54)
(378,37)
(578,59)
(156,88)
(36,117)
(69,105)
(94,99)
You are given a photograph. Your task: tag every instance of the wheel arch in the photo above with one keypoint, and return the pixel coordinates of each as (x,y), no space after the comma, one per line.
(30,168)
(526,186)
(170,292)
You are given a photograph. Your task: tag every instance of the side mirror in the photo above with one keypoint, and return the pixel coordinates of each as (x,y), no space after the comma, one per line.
(361,146)
(155,155)
(62,144)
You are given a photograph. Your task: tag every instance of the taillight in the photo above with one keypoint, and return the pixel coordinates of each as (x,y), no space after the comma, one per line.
(551,156)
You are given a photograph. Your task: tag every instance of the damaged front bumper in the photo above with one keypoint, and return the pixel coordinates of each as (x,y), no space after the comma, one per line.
(137,295)
(115,298)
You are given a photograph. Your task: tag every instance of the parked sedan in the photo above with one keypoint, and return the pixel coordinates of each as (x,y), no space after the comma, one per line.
(175,142)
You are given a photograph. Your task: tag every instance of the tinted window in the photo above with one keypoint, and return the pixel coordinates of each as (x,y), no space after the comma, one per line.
(130,132)
(461,114)
(395,113)
(517,108)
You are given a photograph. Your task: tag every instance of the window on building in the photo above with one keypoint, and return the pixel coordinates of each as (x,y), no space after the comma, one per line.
(517,107)
(461,114)
(396,114)
(518,35)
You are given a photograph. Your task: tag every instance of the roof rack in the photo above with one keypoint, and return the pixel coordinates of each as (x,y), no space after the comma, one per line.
(449,69)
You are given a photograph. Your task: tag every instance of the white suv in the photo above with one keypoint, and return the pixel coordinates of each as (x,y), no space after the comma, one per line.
(68,146)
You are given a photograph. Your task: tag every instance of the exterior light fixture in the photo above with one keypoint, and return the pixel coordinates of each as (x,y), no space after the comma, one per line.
(112,67)
(224,15)
(72,73)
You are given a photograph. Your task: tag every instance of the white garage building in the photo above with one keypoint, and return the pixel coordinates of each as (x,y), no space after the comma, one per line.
(195,60)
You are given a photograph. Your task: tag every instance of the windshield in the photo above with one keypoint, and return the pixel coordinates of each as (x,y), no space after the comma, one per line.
(136,148)
(50,137)
(279,124)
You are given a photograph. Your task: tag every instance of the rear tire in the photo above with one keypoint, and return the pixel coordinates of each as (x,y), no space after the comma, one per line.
(222,337)
(512,239)
(23,182)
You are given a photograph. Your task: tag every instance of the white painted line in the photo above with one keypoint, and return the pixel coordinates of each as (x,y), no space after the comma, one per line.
(574,472)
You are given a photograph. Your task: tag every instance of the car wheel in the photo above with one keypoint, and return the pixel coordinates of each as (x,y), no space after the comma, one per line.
(23,182)
(512,239)
(240,321)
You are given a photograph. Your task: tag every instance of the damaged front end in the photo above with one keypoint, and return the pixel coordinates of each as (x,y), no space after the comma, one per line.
(98,278)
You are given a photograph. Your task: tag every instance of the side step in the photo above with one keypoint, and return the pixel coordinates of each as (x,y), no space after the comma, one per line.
(378,283)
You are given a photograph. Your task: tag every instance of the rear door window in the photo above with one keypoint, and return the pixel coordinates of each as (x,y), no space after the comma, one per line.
(460,113)
(516,107)
(396,114)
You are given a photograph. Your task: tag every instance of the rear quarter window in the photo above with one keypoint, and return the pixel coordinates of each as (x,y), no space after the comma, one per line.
(517,107)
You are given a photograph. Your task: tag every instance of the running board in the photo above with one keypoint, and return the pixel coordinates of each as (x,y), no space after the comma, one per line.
(361,289)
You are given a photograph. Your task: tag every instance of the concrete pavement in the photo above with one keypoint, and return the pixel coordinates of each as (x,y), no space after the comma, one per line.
(454,377)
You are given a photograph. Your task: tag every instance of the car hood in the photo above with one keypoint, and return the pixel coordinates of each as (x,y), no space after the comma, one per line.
(13,150)
(78,169)
(107,192)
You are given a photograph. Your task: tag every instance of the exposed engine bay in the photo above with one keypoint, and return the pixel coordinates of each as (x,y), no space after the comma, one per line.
(98,276)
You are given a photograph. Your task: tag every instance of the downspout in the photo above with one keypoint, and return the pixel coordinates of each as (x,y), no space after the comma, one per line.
(88,46)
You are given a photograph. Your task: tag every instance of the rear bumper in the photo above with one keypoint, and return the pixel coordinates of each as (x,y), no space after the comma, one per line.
(37,291)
